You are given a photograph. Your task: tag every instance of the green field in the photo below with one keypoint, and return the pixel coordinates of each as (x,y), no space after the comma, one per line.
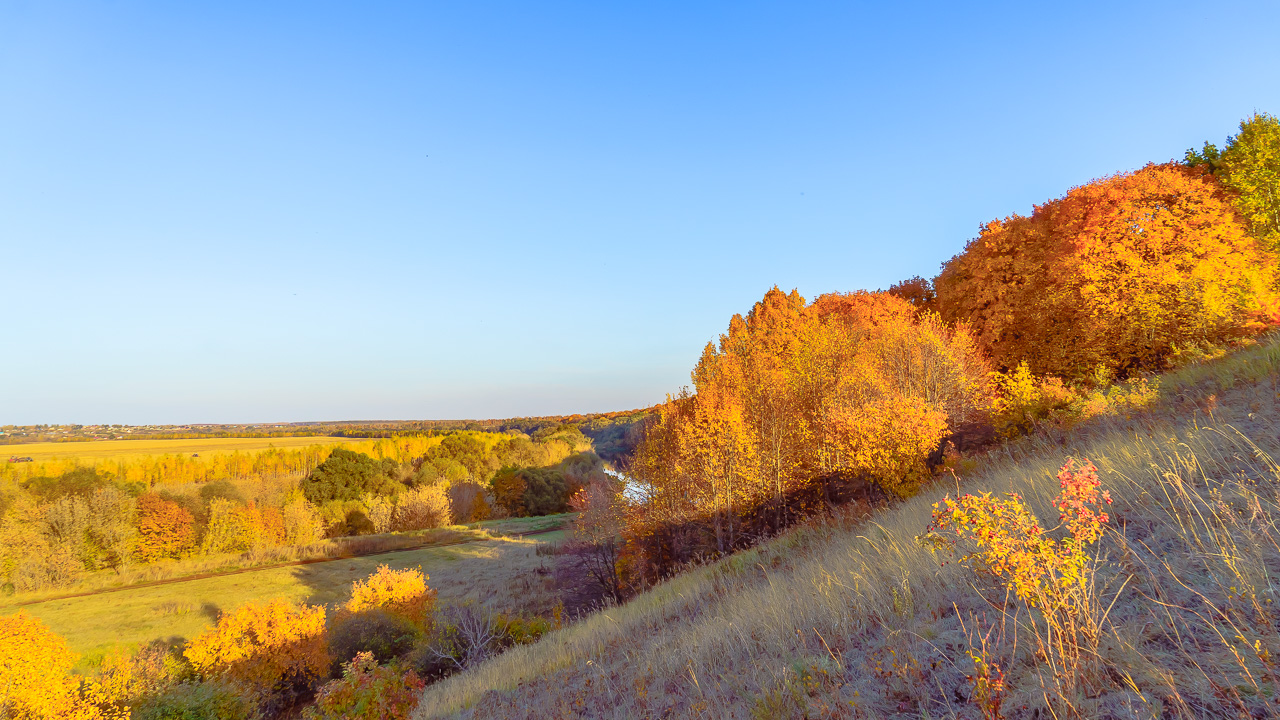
(499,573)
(126,449)
(505,574)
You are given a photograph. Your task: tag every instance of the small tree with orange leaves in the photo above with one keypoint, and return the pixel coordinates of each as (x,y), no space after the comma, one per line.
(273,648)
(165,529)
(1052,577)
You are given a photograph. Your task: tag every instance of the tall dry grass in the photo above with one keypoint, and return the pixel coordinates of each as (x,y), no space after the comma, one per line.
(853,617)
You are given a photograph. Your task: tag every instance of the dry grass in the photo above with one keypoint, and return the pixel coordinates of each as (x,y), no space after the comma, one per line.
(854,618)
(92,450)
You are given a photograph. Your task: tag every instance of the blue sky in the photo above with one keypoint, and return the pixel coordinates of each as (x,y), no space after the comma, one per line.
(245,212)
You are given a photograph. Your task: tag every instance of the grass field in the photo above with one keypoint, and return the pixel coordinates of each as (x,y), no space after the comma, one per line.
(505,574)
(128,449)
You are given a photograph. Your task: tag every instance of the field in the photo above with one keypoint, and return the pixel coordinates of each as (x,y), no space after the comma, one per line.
(853,617)
(504,573)
(131,449)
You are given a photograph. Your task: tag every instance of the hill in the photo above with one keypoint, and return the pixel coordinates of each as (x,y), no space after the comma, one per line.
(854,617)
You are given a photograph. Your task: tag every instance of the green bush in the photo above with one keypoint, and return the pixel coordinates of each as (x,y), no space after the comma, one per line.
(212,700)
(384,635)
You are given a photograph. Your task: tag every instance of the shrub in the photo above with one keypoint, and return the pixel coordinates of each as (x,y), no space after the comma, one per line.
(400,592)
(80,481)
(271,648)
(221,489)
(1053,578)
(467,502)
(209,700)
(1022,400)
(367,691)
(525,492)
(374,631)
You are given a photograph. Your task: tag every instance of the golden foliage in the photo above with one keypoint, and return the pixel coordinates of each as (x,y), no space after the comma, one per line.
(857,386)
(264,645)
(1122,273)
(400,592)
(34,679)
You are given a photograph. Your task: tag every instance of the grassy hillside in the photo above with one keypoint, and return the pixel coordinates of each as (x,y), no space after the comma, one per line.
(855,618)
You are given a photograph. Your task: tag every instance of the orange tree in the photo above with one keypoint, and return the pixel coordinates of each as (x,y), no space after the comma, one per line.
(1126,274)
(164,527)
(269,647)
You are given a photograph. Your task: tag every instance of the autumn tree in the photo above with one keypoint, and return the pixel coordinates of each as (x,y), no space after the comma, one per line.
(422,508)
(302,524)
(165,529)
(797,403)
(1249,166)
(1124,274)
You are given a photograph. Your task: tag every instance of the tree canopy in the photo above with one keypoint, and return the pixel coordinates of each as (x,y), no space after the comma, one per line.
(348,475)
(1124,274)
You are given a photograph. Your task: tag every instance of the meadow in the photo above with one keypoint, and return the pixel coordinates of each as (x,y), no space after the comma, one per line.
(95,450)
(500,571)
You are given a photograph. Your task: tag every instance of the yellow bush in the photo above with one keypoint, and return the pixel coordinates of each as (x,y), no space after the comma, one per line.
(34,679)
(264,646)
(400,592)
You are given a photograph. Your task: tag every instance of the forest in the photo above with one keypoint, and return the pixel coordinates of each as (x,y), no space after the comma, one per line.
(56,528)
(802,411)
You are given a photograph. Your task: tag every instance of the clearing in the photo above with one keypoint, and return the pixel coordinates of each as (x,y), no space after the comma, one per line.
(503,573)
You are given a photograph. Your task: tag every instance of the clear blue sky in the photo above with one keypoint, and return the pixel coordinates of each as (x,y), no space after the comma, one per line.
(240,212)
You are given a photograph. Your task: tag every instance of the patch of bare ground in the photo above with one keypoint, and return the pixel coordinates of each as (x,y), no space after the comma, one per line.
(853,618)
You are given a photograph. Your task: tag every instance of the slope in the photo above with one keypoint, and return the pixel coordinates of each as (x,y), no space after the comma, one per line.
(855,618)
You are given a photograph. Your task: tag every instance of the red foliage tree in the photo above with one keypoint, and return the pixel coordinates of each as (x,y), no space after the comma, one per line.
(165,529)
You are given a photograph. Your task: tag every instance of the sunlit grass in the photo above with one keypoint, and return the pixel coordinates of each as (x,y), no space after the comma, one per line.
(504,573)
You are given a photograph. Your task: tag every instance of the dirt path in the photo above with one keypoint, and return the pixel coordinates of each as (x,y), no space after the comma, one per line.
(293,563)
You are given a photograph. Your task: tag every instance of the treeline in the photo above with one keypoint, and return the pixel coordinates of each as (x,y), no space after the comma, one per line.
(55,528)
(609,430)
(1041,320)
